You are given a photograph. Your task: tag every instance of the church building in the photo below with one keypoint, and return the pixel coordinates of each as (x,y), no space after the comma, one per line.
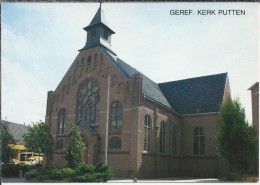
(150,129)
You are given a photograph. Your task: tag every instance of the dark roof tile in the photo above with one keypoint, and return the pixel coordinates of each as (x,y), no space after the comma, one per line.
(196,95)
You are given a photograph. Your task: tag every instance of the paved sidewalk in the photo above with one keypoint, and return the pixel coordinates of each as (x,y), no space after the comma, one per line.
(167,180)
(121,180)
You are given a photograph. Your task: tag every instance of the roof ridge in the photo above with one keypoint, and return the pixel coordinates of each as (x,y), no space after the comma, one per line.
(194,78)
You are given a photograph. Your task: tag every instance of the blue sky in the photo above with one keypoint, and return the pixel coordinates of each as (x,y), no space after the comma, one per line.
(41,40)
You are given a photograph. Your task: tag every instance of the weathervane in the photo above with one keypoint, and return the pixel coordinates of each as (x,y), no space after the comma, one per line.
(100,2)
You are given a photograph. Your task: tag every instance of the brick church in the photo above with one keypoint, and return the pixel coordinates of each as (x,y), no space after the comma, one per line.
(154,130)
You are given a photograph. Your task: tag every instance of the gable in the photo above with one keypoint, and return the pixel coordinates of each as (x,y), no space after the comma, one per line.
(149,88)
(196,95)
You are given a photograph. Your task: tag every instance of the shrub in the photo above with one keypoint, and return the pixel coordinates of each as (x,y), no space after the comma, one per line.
(55,174)
(68,174)
(32,173)
(83,173)
(83,169)
(10,170)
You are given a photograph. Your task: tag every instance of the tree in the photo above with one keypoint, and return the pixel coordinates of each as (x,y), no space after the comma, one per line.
(39,139)
(6,139)
(75,149)
(236,140)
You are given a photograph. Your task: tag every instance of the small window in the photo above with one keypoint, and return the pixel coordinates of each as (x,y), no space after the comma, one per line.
(96,58)
(60,144)
(89,60)
(93,33)
(85,141)
(174,140)
(82,62)
(105,35)
(115,143)
(199,141)
(162,137)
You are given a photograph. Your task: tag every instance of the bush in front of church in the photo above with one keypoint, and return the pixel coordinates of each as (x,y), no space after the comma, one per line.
(82,173)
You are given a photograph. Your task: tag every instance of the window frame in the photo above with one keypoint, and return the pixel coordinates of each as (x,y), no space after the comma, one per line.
(198,141)
(162,137)
(61,125)
(147,132)
(174,140)
(117,143)
(117,108)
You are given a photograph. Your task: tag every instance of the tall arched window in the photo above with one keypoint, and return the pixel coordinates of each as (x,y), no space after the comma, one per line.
(199,141)
(88,103)
(174,140)
(62,120)
(115,143)
(116,117)
(147,132)
(162,137)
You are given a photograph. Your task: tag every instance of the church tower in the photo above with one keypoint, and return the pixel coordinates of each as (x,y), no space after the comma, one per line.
(98,32)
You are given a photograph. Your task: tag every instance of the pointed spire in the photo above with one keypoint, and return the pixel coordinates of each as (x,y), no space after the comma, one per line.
(100,2)
(98,31)
(99,18)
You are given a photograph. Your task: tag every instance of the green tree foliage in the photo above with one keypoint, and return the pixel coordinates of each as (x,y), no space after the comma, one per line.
(39,139)
(236,140)
(75,150)
(6,139)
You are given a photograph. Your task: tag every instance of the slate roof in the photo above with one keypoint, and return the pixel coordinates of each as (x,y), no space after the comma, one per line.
(196,95)
(16,130)
(190,96)
(150,88)
(99,18)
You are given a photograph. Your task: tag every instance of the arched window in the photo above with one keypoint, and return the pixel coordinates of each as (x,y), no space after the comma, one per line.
(199,141)
(147,132)
(174,140)
(60,144)
(88,103)
(89,60)
(96,58)
(116,117)
(162,137)
(62,120)
(82,61)
(115,143)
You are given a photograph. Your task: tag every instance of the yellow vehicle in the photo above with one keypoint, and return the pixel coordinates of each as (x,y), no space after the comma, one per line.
(30,158)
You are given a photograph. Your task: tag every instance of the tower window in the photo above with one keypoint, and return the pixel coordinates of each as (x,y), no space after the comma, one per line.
(105,35)
(93,33)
